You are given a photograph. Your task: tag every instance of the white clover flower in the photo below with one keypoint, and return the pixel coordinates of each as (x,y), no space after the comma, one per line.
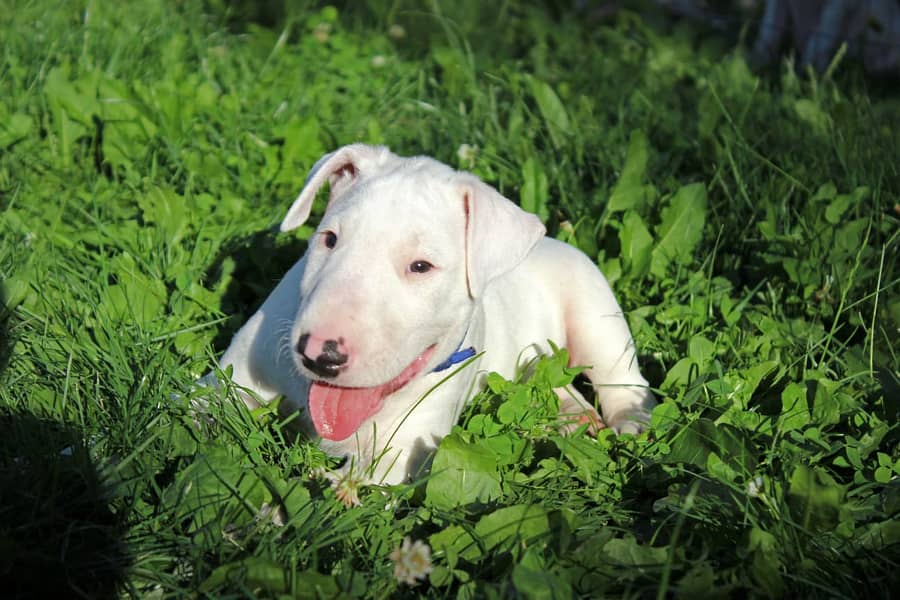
(412,561)
(467,153)
(755,487)
(378,61)
(347,490)
(397,32)
(322,32)
(345,485)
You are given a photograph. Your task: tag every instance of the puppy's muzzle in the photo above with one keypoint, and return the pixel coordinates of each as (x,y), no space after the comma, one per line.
(328,362)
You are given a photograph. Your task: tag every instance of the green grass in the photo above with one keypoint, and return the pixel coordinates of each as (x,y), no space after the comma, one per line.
(748,223)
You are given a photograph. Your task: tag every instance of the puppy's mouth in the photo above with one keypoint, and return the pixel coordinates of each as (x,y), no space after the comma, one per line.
(337,412)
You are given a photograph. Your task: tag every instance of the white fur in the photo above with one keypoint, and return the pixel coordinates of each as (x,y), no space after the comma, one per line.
(498,285)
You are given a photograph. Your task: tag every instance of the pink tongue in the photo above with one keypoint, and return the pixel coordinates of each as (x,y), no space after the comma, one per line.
(337,412)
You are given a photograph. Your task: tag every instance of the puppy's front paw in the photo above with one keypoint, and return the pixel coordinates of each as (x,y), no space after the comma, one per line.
(633,422)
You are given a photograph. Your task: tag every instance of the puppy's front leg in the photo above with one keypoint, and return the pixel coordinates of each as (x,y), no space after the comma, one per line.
(624,394)
(598,336)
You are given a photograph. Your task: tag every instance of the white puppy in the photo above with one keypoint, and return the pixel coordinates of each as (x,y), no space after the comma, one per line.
(415,268)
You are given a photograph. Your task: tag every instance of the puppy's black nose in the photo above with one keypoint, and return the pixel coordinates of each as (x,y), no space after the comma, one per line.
(330,355)
(328,362)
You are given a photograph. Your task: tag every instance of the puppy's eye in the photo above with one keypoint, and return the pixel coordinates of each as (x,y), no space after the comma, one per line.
(329,238)
(420,266)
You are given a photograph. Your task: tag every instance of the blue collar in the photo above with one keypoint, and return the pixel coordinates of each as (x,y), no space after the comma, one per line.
(457,357)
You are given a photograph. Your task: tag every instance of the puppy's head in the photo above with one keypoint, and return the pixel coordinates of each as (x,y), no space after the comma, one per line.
(404,252)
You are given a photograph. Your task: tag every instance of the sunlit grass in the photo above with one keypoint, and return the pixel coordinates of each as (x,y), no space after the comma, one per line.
(747,222)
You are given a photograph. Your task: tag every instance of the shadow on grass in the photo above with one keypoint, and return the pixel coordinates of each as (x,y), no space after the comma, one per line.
(58,536)
(260,261)
(238,13)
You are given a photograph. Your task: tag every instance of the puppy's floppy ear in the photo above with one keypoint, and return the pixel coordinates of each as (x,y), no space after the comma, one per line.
(342,169)
(499,234)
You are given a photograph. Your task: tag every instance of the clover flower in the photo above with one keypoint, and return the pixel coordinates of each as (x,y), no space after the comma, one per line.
(345,485)
(412,561)
(755,487)
(347,490)
(322,32)
(467,154)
